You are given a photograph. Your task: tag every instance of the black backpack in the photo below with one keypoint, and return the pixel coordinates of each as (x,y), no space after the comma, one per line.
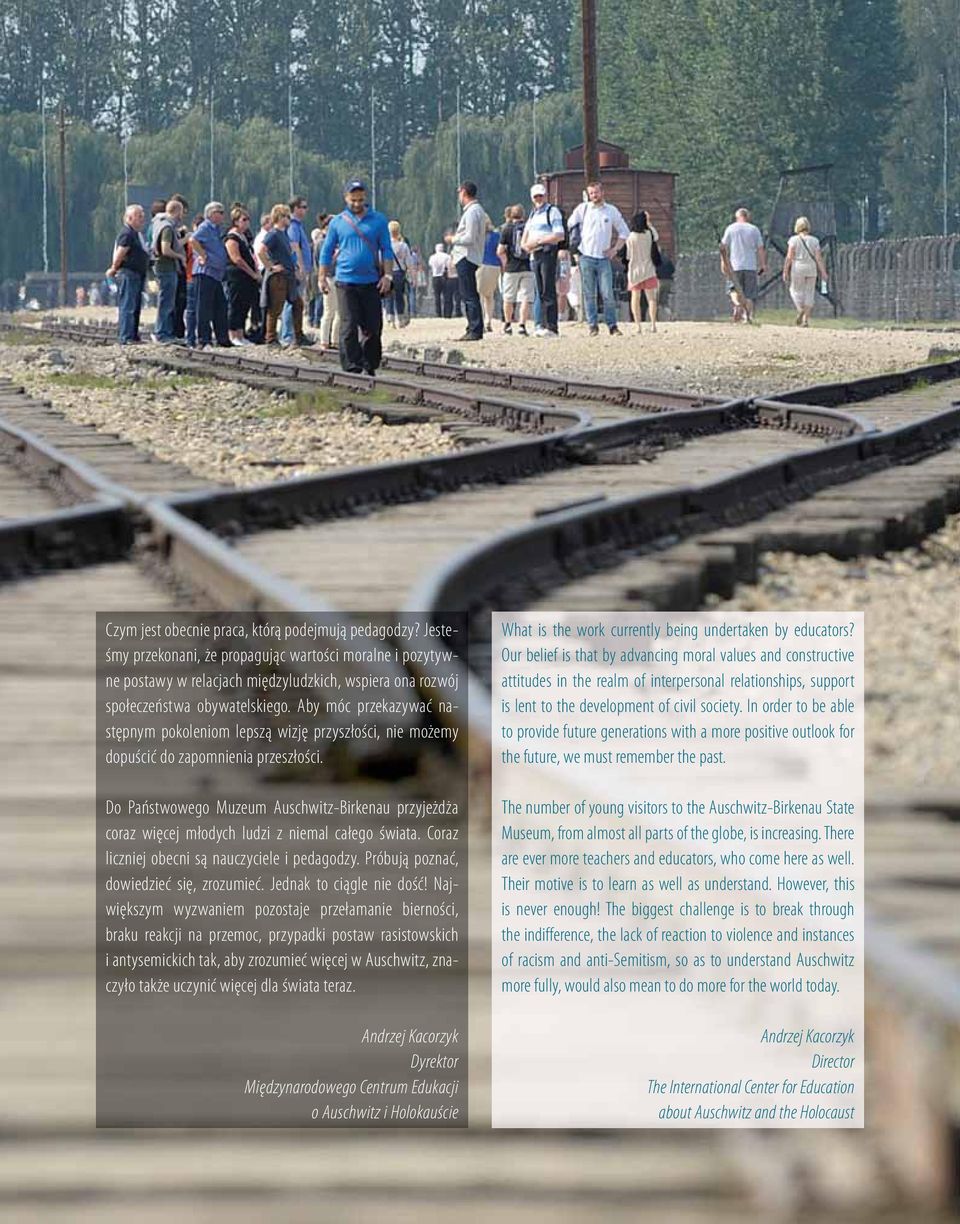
(564,243)
(516,237)
(155,252)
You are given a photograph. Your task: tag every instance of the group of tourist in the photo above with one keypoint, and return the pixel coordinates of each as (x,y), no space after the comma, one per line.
(543,263)
(219,282)
(222,281)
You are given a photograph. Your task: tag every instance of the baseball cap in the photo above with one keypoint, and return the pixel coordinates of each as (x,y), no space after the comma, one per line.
(354,185)
(537,189)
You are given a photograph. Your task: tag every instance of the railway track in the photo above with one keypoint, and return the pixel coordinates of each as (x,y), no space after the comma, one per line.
(51,1165)
(366,564)
(668,549)
(706,512)
(525,401)
(885,399)
(111,458)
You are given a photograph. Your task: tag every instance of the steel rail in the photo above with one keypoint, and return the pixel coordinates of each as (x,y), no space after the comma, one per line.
(358,490)
(625,394)
(120,523)
(577,541)
(872,386)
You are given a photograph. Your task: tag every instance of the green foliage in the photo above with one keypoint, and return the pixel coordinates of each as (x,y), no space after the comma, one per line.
(142,65)
(496,153)
(727,93)
(251,164)
(914,167)
(92,157)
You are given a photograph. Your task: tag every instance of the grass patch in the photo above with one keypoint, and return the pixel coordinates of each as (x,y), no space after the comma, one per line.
(377,397)
(109,382)
(180,383)
(318,402)
(787,318)
(323,400)
(23,338)
(87,382)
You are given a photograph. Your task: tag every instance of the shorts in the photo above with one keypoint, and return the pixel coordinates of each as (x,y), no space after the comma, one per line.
(746,281)
(517,287)
(803,290)
(487,279)
(649,284)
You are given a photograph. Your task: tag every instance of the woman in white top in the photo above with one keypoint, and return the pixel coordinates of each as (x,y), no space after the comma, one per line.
(641,270)
(330,322)
(800,269)
(396,303)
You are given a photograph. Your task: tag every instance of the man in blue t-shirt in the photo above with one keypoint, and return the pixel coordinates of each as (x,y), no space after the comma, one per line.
(209,267)
(360,240)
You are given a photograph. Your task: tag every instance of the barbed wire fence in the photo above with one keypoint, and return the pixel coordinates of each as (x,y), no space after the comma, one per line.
(903,281)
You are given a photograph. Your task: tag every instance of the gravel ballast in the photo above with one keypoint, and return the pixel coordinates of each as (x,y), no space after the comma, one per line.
(716,358)
(226,432)
(221,431)
(912,652)
(708,358)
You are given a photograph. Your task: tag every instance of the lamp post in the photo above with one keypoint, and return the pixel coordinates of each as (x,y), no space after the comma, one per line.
(459,168)
(62,134)
(290,132)
(211,138)
(43,144)
(373,148)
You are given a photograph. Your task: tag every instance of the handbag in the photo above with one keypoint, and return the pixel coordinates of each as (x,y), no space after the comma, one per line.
(655,254)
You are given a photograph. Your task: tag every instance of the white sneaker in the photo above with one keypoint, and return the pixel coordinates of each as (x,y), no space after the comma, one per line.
(540,331)
(237,343)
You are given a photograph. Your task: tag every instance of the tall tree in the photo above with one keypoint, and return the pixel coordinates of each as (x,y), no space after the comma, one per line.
(731,92)
(496,153)
(914,169)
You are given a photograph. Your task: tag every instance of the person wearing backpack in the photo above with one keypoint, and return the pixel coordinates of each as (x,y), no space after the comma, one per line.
(517,282)
(542,238)
(603,232)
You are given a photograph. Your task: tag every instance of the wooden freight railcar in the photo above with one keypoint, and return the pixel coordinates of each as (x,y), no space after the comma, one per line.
(630,190)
